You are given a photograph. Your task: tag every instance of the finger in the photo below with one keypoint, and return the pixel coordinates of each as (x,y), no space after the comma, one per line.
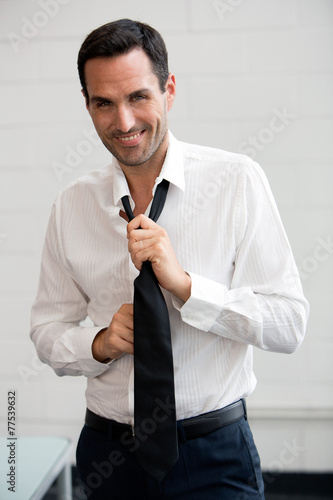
(147,234)
(140,255)
(141,221)
(150,246)
(126,338)
(126,309)
(144,254)
(122,323)
(152,243)
(119,340)
(124,345)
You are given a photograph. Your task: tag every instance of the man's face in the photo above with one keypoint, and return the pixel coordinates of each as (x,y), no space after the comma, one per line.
(127,107)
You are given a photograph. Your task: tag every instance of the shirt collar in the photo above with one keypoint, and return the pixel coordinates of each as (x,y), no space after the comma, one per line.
(172,170)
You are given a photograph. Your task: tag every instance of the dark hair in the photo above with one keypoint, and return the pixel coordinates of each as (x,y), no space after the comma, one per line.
(120,37)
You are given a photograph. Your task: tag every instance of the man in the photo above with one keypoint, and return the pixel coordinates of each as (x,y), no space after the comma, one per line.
(221,258)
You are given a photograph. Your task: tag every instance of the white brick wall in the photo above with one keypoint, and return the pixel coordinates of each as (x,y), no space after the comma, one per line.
(239,64)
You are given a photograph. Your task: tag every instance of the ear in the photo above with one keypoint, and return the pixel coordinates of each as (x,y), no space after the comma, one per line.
(170,88)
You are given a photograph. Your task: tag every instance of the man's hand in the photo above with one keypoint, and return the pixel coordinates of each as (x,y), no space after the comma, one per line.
(117,339)
(152,243)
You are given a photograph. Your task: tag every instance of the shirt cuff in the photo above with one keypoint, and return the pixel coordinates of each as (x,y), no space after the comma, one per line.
(83,349)
(205,303)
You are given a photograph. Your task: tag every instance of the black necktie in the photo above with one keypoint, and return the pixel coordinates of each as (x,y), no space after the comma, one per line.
(154,399)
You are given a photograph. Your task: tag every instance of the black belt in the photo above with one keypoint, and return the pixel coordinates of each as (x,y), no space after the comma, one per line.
(192,427)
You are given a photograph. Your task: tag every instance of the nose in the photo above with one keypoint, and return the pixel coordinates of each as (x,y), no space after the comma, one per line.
(124,118)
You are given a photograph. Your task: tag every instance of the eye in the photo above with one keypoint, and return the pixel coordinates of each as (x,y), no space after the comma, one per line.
(138,98)
(102,104)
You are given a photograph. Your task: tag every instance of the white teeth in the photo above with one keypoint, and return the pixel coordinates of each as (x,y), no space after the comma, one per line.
(129,138)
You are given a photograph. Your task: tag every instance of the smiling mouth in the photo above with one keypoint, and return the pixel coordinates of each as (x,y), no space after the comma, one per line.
(131,140)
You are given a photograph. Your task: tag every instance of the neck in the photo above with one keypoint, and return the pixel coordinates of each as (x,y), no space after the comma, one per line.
(141,179)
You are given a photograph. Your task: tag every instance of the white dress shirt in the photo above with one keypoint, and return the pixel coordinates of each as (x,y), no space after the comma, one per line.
(227,234)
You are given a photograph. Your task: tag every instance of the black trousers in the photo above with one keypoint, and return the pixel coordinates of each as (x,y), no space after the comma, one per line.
(223,465)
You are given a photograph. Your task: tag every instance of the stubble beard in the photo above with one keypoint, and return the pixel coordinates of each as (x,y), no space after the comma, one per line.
(131,159)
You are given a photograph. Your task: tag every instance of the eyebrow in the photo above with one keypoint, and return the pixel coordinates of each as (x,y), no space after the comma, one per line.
(139,92)
(97,98)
